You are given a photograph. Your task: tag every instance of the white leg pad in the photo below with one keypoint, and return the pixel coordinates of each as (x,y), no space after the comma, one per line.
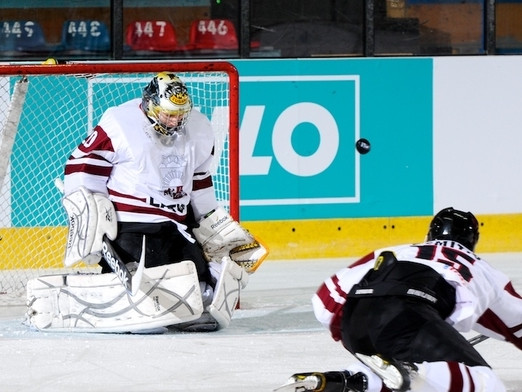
(168,295)
(232,278)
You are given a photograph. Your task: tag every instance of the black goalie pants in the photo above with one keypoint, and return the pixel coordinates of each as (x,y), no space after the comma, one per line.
(164,245)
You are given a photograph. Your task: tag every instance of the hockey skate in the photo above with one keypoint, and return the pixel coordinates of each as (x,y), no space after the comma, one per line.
(394,374)
(325,382)
(206,323)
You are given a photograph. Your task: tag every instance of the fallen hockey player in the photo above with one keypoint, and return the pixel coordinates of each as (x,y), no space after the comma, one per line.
(141,203)
(399,311)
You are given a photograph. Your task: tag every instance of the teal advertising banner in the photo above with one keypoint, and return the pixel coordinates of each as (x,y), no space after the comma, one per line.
(300,120)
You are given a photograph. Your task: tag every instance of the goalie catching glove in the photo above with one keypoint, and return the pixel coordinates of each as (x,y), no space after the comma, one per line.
(221,236)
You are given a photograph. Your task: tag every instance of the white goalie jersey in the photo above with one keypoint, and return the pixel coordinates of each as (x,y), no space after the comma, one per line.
(149,178)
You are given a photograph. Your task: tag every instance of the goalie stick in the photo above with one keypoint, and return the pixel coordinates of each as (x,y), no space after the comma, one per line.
(7,136)
(130,281)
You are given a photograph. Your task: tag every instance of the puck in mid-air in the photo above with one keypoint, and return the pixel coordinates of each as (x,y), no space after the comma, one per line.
(363,146)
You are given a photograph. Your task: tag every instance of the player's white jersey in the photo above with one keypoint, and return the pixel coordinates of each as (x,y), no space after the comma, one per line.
(485,298)
(148,177)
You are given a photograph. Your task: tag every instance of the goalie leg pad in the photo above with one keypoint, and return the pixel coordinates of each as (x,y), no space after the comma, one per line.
(90,216)
(232,278)
(168,295)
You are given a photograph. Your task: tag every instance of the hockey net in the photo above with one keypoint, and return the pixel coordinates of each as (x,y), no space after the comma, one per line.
(46,111)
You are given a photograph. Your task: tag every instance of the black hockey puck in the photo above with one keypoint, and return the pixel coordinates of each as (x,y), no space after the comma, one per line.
(363,146)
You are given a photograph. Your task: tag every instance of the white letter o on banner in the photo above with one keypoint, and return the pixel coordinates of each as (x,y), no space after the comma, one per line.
(288,158)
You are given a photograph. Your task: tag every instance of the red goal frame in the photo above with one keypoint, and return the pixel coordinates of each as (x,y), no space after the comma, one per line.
(123,67)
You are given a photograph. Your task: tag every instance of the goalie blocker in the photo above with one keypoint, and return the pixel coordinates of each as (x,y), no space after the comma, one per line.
(91,216)
(221,236)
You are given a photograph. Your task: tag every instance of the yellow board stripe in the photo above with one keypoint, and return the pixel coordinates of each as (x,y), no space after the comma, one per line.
(299,239)
(355,237)
(36,247)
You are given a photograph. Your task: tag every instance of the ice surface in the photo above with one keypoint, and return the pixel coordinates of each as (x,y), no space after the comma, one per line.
(273,335)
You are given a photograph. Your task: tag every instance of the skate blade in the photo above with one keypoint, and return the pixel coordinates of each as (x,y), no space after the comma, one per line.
(392,376)
(300,383)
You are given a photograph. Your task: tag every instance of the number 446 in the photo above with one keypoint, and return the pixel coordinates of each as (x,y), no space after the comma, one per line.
(214,27)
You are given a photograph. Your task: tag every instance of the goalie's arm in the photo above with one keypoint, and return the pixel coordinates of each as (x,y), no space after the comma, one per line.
(221,236)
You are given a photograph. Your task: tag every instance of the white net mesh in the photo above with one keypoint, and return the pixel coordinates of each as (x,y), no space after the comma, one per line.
(58,112)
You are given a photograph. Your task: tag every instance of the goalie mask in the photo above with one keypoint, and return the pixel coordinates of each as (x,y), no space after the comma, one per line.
(455,225)
(167,103)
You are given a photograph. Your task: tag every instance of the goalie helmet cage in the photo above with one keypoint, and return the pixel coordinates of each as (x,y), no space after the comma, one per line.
(47,110)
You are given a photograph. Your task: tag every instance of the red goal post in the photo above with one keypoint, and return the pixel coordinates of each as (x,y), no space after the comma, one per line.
(45,112)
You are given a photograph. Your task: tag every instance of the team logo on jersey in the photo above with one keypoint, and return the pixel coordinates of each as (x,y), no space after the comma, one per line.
(175,193)
(172,168)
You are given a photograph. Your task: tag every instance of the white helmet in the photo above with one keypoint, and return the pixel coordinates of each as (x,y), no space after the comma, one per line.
(167,103)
